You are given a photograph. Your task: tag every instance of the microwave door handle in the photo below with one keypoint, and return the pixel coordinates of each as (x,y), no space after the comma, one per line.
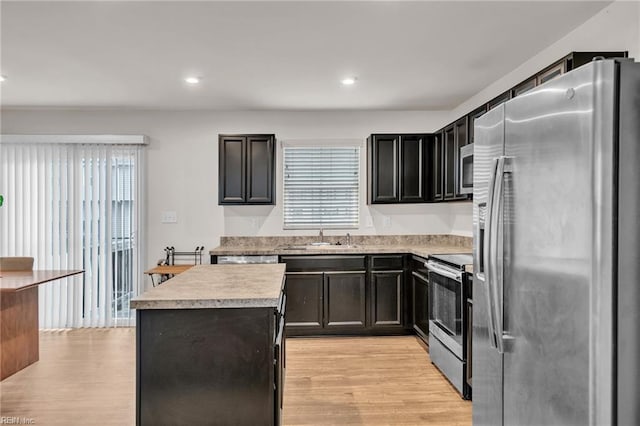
(488,254)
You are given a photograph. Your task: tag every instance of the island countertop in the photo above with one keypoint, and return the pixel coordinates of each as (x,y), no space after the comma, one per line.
(217,286)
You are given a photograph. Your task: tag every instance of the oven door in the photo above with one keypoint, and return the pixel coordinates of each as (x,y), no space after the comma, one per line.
(445,306)
(466,169)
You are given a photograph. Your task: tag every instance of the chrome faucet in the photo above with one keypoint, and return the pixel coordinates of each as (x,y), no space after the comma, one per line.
(321,235)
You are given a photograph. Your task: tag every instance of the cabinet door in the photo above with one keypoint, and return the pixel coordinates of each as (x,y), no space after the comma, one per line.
(386,298)
(411,169)
(344,299)
(437,157)
(260,169)
(231,172)
(450,158)
(304,300)
(420,305)
(472,117)
(524,87)
(384,168)
(552,72)
(498,100)
(461,137)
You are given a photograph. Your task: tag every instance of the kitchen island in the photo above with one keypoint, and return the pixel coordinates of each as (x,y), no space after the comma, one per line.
(210,348)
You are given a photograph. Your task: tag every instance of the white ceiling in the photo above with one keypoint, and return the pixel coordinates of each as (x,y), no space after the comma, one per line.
(270,55)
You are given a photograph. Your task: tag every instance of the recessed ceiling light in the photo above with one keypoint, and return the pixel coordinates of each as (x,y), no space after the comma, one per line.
(348,81)
(2,78)
(192,80)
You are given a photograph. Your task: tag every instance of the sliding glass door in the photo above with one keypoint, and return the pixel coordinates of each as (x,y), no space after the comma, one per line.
(76,206)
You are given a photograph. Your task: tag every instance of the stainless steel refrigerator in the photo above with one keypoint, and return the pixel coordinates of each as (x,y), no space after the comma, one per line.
(556,292)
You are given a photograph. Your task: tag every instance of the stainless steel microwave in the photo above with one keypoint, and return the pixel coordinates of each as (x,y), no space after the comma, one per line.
(466,169)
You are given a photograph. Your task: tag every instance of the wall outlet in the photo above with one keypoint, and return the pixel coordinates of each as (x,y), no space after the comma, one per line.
(169,217)
(368,222)
(386,222)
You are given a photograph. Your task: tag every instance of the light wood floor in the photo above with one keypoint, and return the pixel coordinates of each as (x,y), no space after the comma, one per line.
(87,377)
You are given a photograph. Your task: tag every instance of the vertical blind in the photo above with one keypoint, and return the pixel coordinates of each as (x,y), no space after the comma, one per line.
(75,206)
(321,187)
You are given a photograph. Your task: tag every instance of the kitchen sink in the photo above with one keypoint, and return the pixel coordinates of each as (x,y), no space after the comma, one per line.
(330,247)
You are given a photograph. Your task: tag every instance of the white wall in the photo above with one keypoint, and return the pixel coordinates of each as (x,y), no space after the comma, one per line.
(182,166)
(183,156)
(616,27)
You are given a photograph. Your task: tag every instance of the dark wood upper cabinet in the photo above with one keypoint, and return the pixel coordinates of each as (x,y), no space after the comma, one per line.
(396,168)
(524,87)
(450,158)
(437,157)
(471,120)
(573,61)
(460,129)
(246,169)
(455,136)
(260,164)
(411,169)
(500,99)
(232,169)
(578,59)
(383,168)
(552,72)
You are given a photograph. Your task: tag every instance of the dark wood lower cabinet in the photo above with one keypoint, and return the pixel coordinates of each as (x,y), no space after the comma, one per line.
(347,294)
(386,298)
(420,287)
(304,299)
(345,305)
(209,366)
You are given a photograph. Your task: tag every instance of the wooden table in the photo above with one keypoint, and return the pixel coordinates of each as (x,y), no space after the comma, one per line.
(19,346)
(167,271)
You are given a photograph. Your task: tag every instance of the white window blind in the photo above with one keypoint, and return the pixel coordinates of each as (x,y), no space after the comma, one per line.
(321,187)
(75,206)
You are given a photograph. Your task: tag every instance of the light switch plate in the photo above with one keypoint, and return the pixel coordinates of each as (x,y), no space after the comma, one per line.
(386,222)
(169,217)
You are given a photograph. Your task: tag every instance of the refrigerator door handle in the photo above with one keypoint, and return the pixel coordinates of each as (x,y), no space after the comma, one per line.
(504,166)
(488,254)
(478,252)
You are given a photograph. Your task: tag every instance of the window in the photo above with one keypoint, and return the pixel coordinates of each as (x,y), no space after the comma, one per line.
(321,187)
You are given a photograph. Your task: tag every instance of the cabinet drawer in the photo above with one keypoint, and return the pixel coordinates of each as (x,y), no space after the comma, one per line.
(324,263)
(394,262)
(418,265)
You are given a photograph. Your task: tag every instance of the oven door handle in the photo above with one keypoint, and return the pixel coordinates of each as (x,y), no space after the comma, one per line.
(454,275)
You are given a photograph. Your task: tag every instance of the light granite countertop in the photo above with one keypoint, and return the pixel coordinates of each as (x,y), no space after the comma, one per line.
(217,286)
(420,245)
(422,250)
